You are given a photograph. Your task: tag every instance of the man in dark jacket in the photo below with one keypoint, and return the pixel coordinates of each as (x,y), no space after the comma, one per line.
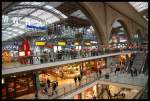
(132,72)
(48,83)
(135,71)
(75,80)
(100,72)
(54,88)
(79,78)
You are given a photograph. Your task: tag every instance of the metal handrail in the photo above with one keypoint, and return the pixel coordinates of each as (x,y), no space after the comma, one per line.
(84,82)
(143,63)
(48,59)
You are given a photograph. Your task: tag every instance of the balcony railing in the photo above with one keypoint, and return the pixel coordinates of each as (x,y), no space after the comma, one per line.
(68,89)
(47,58)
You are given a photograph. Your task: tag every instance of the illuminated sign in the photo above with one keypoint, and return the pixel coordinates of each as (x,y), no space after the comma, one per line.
(22,53)
(61,43)
(76,43)
(37,27)
(88,44)
(40,43)
(2,80)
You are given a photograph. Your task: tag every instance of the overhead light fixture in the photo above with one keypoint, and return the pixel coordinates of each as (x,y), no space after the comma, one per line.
(3,81)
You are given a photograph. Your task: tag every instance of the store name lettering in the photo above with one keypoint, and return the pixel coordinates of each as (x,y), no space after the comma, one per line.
(37,27)
(9,47)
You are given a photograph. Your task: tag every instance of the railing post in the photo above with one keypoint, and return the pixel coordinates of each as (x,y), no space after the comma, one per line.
(86,80)
(64,91)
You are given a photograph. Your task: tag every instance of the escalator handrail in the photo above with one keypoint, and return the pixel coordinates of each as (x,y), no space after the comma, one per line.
(143,64)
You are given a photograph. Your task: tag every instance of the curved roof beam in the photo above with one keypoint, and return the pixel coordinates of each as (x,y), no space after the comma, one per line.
(36,7)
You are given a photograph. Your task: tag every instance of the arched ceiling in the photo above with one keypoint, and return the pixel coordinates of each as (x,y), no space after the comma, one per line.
(34,13)
(20,14)
(141,7)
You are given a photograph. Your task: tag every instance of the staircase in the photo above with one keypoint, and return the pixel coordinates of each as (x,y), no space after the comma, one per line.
(139,60)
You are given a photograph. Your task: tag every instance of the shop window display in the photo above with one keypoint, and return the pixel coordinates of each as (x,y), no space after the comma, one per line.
(70,71)
(6,57)
(87,94)
(17,86)
(11,89)
(3,89)
(21,86)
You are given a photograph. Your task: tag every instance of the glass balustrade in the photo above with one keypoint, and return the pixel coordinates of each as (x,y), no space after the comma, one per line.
(15,62)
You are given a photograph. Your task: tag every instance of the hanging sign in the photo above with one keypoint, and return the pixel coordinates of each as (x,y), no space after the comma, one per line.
(37,27)
(76,43)
(40,43)
(61,43)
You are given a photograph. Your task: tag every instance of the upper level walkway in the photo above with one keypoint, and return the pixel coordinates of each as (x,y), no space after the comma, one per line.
(20,68)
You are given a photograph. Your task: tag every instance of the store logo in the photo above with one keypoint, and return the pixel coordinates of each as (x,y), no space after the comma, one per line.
(37,27)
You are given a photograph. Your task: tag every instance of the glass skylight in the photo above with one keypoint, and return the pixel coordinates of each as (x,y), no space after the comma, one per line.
(55,10)
(32,3)
(29,21)
(139,6)
(22,11)
(116,24)
(52,20)
(79,14)
(19,18)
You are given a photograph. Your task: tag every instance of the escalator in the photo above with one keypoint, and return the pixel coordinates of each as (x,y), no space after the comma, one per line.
(145,69)
(137,62)
(130,63)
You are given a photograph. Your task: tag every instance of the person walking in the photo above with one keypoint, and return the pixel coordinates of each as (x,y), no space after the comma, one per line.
(79,79)
(97,72)
(135,71)
(45,89)
(109,94)
(100,73)
(54,88)
(94,97)
(75,80)
(132,72)
(56,83)
(48,83)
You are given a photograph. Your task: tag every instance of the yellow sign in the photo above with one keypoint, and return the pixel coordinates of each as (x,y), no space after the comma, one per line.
(88,44)
(40,43)
(76,43)
(61,43)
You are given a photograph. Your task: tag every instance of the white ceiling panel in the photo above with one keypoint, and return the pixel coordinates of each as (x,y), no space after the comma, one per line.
(32,3)
(139,6)
(79,14)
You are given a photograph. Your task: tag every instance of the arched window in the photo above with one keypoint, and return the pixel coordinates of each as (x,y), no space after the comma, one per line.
(119,37)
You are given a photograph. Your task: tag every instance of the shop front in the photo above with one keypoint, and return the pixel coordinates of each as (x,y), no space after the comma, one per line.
(69,71)
(89,93)
(17,85)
